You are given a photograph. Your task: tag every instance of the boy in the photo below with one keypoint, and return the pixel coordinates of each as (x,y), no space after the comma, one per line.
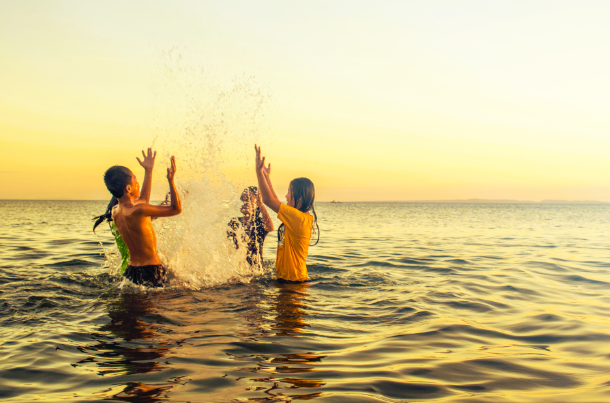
(132,217)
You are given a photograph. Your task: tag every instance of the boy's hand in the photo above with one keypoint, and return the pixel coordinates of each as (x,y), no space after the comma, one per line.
(267,171)
(171,171)
(260,164)
(149,160)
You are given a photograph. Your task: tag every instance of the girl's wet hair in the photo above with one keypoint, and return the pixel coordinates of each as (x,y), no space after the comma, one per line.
(253,190)
(107,216)
(303,191)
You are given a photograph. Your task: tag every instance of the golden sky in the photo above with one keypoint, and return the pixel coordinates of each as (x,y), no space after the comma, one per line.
(393,100)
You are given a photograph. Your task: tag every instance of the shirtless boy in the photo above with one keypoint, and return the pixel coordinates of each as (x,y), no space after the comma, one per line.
(132,217)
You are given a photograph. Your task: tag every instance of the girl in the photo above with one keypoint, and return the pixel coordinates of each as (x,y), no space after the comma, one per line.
(256,223)
(294,234)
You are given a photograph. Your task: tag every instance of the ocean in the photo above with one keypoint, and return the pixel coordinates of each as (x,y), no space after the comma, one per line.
(408,302)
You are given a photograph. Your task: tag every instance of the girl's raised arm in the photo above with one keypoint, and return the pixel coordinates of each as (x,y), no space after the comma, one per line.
(267,176)
(267,222)
(264,183)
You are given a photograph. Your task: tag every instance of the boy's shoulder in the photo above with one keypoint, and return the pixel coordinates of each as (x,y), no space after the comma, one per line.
(115,210)
(139,207)
(134,208)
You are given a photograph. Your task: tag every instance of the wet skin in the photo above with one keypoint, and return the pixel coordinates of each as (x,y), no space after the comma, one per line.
(137,232)
(132,216)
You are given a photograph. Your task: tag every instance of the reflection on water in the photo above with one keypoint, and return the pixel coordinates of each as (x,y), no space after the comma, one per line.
(291,310)
(288,319)
(408,303)
(130,344)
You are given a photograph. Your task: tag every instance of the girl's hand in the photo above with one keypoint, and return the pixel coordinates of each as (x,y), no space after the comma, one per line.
(260,163)
(168,199)
(171,171)
(267,171)
(149,160)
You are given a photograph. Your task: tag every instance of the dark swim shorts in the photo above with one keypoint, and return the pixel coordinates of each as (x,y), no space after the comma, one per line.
(150,276)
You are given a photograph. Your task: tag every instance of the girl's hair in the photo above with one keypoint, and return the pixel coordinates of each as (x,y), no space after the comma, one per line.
(253,190)
(303,190)
(107,216)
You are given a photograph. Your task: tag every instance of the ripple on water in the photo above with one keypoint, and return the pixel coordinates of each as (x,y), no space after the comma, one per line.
(434,319)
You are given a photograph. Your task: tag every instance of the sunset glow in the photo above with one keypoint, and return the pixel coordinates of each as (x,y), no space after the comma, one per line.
(373,101)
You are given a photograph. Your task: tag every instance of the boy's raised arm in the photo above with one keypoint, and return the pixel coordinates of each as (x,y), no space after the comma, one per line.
(175,206)
(148,164)
(264,183)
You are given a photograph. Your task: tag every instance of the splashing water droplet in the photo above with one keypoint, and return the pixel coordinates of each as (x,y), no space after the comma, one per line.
(210,124)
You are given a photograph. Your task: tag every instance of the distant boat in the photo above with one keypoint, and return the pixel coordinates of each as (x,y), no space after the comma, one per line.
(334,201)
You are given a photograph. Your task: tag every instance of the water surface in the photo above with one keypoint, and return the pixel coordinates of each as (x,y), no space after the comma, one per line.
(407,303)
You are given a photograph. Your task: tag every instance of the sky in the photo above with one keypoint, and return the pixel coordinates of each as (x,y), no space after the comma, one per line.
(372,100)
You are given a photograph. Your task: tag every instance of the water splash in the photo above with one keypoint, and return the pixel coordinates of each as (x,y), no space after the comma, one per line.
(210,123)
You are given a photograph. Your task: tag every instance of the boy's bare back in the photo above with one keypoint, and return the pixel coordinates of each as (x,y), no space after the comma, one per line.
(132,216)
(137,233)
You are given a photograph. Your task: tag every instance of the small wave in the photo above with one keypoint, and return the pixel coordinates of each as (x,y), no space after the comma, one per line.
(95,281)
(471,306)
(539,377)
(554,267)
(579,279)
(458,261)
(321,268)
(470,388)
(548,317)
(71,263)
(23,248)
(335,258)
(545,339)
(413,261)
(520,290)
(444,270)
(395,389)
(31,255)
(38,302)
(376,263)
(491,257)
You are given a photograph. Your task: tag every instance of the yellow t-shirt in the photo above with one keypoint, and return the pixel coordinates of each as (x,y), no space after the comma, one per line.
(292,252)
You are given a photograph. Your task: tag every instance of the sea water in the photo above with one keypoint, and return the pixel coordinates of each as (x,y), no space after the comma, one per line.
(408,303)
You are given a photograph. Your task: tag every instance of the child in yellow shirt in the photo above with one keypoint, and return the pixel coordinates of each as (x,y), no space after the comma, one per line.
(294,235)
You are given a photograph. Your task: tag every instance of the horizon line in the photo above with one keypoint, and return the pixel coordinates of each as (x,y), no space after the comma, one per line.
(455,201)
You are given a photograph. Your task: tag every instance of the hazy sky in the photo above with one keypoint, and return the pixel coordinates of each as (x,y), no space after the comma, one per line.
(373,100)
